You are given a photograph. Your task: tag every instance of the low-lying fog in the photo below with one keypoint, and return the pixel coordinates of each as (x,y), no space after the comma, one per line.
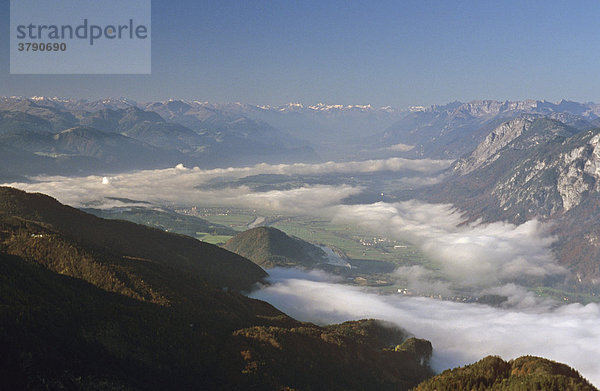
(190,183)
(460,333)
(483,259)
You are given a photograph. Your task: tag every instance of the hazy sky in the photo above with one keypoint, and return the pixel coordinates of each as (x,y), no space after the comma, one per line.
(396,53)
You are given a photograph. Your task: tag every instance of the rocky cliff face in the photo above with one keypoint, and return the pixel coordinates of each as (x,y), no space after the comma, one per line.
(579,172)
(487,151)
(536,168)
(555,178)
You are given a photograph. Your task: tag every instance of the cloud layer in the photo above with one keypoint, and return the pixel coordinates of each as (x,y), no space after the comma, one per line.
(460,333)
(179,185)
(366,166)
(472,255)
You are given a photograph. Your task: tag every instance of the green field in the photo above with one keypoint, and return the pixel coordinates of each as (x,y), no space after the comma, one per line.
(372,258)
(212,239)
(355,243)
(236,219)
(566,296)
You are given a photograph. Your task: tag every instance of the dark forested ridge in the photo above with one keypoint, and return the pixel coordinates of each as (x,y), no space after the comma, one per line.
(36,224)
(87,303)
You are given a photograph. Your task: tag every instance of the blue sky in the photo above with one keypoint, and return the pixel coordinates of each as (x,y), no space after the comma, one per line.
(396,53)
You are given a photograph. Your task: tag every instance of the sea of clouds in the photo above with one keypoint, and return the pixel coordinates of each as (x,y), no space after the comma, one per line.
(482,258)
(180,185)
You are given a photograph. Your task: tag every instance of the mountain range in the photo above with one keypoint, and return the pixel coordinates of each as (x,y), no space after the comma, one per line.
(439,131)
(453,130)
(71,137)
